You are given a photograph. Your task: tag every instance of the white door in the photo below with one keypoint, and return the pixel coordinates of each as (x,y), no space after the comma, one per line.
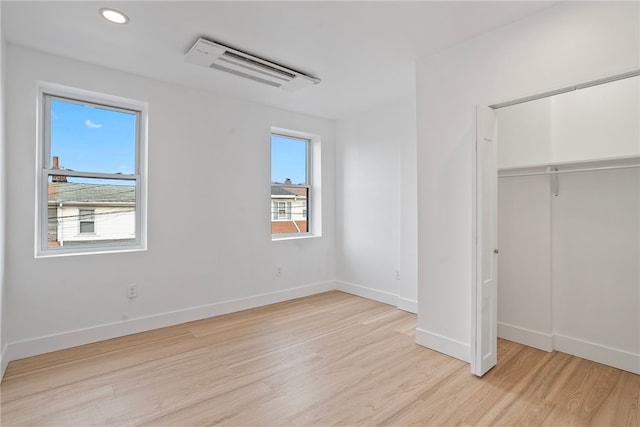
(485,283)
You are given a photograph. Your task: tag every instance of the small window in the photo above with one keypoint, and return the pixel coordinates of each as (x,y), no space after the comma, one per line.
(290,184)
(87,220)
(281,210)
(91,175)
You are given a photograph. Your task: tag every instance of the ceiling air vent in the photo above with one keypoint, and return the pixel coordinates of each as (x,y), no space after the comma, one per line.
(220,57)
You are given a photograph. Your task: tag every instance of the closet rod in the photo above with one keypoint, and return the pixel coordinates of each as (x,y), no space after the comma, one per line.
(584,85)
(554,172)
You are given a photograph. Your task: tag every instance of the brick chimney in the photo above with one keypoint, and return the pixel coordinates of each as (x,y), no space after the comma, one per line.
(56,166)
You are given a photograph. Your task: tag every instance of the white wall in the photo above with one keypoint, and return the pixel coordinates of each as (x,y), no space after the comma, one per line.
(599,122)
(596,266)
(376,197)
(524,134)
(3,311)
(569,272)
(209,242)
(563,45)
(408,292)
(595,123)
(524,268)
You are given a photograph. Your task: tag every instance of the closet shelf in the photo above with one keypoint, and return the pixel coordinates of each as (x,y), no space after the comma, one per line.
(571,167)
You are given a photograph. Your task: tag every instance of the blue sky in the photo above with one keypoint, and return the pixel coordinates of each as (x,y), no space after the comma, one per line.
(288,159)
(92,139)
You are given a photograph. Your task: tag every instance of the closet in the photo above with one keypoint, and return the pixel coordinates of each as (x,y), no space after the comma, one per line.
(569,223)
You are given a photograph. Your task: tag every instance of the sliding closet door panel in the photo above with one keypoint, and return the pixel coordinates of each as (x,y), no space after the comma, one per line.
(524,271)
(596,258)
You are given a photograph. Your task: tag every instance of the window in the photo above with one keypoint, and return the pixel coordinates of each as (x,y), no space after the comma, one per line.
(87,220)
(91,175)
(290,184)
(281,210)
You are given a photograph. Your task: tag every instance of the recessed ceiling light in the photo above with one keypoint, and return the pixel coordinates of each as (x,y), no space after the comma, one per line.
(114,16)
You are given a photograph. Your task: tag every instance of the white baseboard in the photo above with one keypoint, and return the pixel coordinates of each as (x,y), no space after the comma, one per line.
(598,353)
(409,305)
(4,361)
(444,345)
(369,293)
(525,336)
(609,356)
(49,343)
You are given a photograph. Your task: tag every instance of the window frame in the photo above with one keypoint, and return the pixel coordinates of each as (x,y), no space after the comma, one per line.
(312,181)
(91,220)
(44,168)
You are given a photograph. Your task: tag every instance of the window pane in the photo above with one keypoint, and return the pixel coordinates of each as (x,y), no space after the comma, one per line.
(87,215)
(87,227)
(288,160)
(85,137)
(88,211)
(290,210)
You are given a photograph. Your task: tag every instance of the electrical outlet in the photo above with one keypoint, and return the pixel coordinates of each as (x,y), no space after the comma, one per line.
(397,274)
(132,291)
(278,271)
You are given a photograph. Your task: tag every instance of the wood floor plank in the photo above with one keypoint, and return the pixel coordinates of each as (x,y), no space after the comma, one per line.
(328,359)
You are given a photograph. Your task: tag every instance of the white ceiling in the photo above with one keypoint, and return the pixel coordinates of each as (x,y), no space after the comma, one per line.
(364,52)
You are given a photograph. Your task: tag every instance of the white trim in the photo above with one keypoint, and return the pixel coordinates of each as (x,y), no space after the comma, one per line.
(525,336)
(610,356)
(116,103)
(313,182)
(94,175)
(292,236)
(401,303)
(599,353)
(54,342)
(474,326)
(444,345)
(64,340)
(369,293)
(409,305)
(4,361)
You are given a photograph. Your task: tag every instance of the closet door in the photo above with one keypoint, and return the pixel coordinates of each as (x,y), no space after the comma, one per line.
(485,295)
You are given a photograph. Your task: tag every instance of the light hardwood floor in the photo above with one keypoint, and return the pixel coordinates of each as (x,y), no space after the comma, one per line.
(329,359)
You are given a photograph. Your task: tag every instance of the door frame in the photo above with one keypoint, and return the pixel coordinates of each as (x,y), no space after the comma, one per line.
(474,253)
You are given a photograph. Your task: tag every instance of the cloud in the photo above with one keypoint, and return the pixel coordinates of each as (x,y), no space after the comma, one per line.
(92,125)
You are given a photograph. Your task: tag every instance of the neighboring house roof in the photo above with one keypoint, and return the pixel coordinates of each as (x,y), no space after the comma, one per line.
(69,192)
(288,191)
(286,227)
(280,191)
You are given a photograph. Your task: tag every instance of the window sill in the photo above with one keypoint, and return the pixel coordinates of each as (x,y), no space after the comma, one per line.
(297,236)
(53,253)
